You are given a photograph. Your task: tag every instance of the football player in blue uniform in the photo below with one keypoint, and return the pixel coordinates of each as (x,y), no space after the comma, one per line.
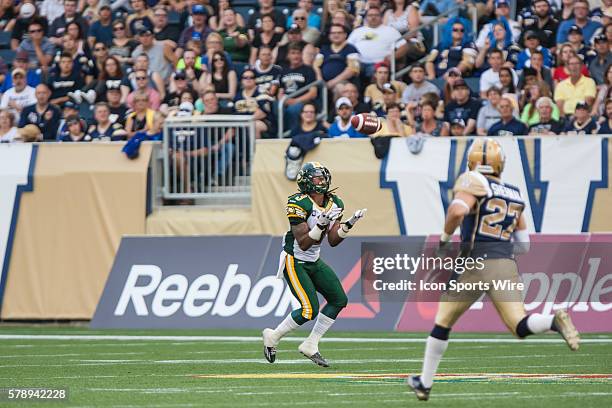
(493,227)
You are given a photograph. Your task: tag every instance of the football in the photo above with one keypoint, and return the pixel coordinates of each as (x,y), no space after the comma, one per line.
(366,123)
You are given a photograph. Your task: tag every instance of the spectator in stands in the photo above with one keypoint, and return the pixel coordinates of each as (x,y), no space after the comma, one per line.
(140,18)
(546,124)
(491,77)
(155,80)
(575,39)
(65,81)
(333,14)
(402,15)
(376,42)
(507,82)
(455,52)
(606,125)
(463,106)
(502,14)
(33,76)
(235,37)
(457,127)
(305,136)
(419,86)
(161,57)
(69,108)
(39,48)
(111,75)
(350,91)
(425,121)
(27,14)
(265,35)
(604,92)
(42,114)
(565,11)
(76,131)
(534,93)
(102,29)
(450,77)
(117,108)
(581,123)
(161,29)
(389,97)
(309,34)
(543,24)
(561,71)
(374,92)
(193,73)
(221,78)
(582,20)
(122,46)
(216,21)
(82,63)
(143,86)
(393,125)
(296,76)
(248,101)
(214,43)
(178,85)
(266,7)
(532,44)
(537,70)
(501,39)
(208,104)
(59,25)
(508,124)
(91,10)
(294,35)
(104,128)
(338,61)
(341,126)
(142,116)
(576,88)
(199,14)
(489,114)
(313,20)
(19,96)
(267,73)
(8,131)
(603,59)
(51,9)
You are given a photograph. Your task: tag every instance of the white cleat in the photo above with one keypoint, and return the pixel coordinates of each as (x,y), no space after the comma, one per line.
(270,342)
(567,330)
(310,350)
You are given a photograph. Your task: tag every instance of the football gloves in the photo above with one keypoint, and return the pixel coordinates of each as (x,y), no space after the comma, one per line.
(323,221)
(350,223)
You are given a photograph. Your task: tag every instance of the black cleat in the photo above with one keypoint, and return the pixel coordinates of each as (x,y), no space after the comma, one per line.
(270,343)
(317,358)
(415,384)
(270,354)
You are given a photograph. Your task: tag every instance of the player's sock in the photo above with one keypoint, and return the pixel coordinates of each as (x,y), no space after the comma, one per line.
(321,326)
(285,326)
(434,350)
(535,323)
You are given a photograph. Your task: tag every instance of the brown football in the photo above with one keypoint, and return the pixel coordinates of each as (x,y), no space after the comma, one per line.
(366,123)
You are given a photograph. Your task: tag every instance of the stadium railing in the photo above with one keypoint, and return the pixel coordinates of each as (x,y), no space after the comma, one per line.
(197,165)
(321,102)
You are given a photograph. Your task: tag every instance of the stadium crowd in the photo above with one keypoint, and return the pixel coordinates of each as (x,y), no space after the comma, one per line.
(83,70)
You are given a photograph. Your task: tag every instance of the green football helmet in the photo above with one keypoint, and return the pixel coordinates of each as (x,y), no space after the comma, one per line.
(306,175)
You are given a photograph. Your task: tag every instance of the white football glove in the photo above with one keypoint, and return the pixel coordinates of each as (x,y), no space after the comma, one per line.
(326,218)
(359,214)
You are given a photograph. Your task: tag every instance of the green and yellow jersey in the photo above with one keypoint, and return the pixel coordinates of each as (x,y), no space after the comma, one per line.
(302,208)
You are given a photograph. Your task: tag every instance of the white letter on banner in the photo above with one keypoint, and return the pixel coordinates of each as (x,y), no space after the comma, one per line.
(232,279)
(197,293)
(569,165)
(415,180)
(14,168)
(137,293)
(165,293)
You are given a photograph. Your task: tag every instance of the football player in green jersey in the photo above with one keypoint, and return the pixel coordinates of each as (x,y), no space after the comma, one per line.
(313,213)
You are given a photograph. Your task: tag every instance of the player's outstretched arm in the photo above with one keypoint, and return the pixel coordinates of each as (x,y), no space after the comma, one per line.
(339,231)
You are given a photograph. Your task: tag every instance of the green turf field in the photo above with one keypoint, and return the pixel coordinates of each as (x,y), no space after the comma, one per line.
(479,370)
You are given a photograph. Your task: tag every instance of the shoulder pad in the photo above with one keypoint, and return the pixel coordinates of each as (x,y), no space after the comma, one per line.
(339,203)
(474,183)
(298,207)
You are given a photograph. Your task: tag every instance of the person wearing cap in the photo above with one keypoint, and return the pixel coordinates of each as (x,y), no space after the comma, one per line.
(338,61)
(58,27)
(581,19)
(463,106)
(161,55)
(419,86)
(75,131)
(178,85)
(546,124)
(341,126)
(574,89)
(19,96)
(198,15)
(575,39)
(33,76)
(603,58)
(255,19)
(508,124)
(502,12)
(532,44)
(389,97)
(101,30)
(249,101)
(582,123)
(457,127)
(42,114)
(543,24)
(117,108)
(374,93)
(458,51)
(103,128)
(39,48)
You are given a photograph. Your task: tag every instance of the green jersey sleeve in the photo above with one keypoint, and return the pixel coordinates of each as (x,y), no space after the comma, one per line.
(298,209)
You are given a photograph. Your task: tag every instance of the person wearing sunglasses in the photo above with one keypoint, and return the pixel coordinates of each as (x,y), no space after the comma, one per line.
(300,22)
(59,25)
(39,48)
(457,51)
(143,87)
(250,102)
(313,20)
(122,46)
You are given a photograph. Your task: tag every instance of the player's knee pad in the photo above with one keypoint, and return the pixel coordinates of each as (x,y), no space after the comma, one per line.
(440,332)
